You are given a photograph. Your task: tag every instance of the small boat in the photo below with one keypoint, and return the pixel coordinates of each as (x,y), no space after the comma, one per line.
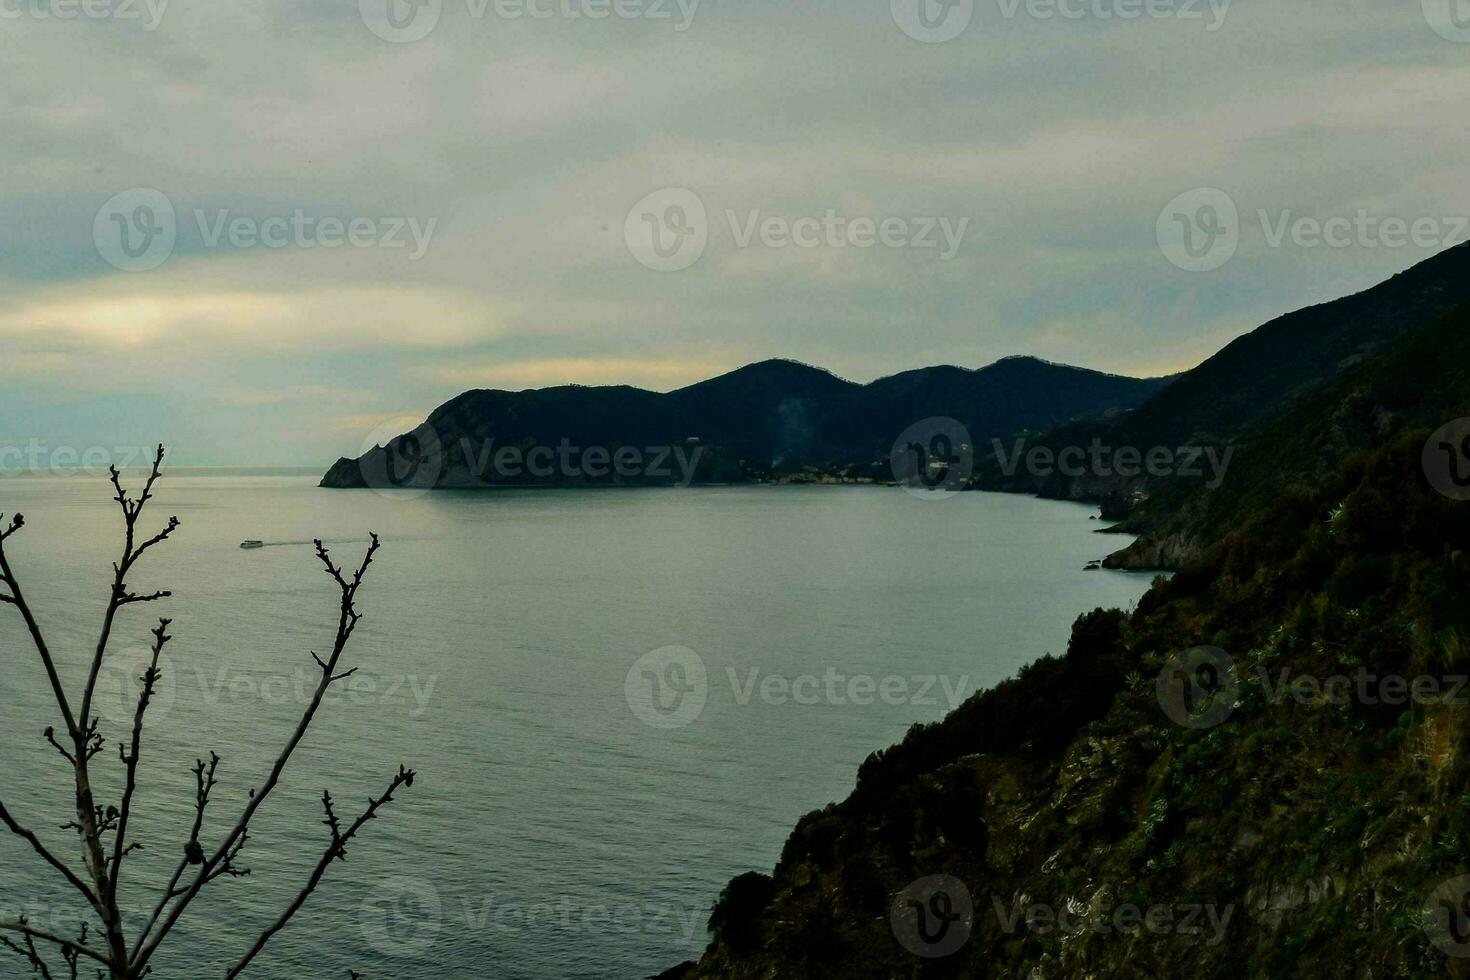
(252,543)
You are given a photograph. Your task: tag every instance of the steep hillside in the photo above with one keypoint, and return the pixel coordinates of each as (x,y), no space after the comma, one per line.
(1414,384)
(1090,819)
(1236,395)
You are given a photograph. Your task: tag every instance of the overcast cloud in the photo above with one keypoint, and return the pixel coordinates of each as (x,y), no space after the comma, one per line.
(363,227)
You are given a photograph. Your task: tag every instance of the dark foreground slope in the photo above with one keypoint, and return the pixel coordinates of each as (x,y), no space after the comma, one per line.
(1277,823)
(761,421)
(1240,394)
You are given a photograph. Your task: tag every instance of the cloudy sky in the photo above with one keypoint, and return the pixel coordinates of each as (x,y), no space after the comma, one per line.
(257,231)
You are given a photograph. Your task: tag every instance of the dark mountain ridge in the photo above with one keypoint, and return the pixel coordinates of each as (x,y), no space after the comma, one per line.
(1232,399)
(770,420)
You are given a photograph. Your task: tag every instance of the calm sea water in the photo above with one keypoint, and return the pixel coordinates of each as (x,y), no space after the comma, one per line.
(553,832)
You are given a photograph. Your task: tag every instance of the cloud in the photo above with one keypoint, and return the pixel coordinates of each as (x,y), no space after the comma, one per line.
(529,141)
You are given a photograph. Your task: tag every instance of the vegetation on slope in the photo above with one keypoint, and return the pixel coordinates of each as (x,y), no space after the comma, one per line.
(1316,830)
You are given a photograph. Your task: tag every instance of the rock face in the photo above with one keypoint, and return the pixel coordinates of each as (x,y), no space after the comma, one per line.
(772,420)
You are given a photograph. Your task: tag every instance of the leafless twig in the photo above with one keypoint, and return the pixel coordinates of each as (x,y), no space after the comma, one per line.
(80,742)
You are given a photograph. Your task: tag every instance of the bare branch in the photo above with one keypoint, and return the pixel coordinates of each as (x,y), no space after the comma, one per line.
(22,927)
(50,734)
(17,598)
(347,620)
(120,847)
(336,851)
(51,859)
(130,597)
(193,854)
(82,742)
(29,954)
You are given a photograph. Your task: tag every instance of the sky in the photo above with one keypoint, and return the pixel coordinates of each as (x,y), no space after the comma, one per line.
(263,232)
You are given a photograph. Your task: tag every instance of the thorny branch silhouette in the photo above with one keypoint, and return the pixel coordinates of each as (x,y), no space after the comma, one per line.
(103,830)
